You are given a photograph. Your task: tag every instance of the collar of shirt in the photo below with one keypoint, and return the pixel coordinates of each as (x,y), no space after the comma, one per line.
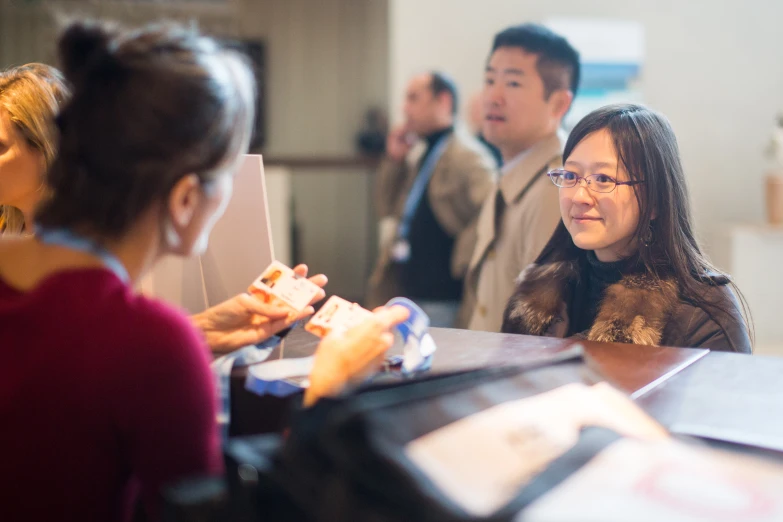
(511,164)
(518,172)
(433,138)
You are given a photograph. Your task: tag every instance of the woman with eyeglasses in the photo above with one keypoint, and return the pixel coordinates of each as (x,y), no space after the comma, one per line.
(624,265)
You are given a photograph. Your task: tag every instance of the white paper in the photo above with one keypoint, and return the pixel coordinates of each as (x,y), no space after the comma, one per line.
(651,482)
(482,461)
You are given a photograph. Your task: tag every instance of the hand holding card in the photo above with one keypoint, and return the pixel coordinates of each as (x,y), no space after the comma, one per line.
(282,286)
(348,356)
(336,314)
(246,319)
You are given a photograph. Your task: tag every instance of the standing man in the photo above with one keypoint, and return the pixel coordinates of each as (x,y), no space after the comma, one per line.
(428,203)
(530,80)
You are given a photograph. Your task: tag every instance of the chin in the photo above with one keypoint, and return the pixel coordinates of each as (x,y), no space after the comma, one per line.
(586,242)
(492,137)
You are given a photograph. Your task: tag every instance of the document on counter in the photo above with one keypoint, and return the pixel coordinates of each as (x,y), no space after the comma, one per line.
(672,481)
(502,448)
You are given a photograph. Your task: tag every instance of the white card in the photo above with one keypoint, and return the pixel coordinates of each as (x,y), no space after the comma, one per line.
(336,314)
(280,284)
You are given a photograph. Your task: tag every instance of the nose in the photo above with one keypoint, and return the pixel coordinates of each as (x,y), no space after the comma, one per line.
(493,95)
(582,193)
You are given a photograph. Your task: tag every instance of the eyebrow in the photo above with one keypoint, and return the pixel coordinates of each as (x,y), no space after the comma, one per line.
(517,72)
(596,165)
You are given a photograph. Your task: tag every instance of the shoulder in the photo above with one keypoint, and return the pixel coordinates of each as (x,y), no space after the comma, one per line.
(541,201)
(556,162)
(143,335)
(538,296)
(127,336)
(167,331)
(718,324)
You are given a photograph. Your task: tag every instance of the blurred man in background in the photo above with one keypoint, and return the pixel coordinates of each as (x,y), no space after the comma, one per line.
(530,81)
(428,202)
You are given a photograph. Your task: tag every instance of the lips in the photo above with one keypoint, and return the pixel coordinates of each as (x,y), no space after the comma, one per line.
(585,219)
(495,118)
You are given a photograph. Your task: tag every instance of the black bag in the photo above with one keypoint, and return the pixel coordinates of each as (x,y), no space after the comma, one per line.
(345,458)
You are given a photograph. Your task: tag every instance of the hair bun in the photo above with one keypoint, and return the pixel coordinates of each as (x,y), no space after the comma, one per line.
(82,45)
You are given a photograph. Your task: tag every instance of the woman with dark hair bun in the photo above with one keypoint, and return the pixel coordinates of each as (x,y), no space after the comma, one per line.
(105,393)
(624,265)
(31,97)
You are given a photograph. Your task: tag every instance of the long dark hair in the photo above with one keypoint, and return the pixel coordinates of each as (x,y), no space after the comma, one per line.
(647,147)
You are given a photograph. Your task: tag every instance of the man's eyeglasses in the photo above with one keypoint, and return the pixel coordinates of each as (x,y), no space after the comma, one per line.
(596,182)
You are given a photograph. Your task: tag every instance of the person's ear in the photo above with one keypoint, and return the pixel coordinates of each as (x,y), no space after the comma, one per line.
(183,200)
(559,102)
(444,102)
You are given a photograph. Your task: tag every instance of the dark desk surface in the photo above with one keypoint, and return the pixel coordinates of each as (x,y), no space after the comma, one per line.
(634,369)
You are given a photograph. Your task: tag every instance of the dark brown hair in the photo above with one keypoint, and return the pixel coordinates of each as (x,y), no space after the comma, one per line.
(557,63)
(149,106)
(441,83)
(647,148)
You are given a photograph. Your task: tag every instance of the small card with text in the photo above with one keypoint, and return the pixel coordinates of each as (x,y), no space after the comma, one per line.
(336,314)
(278,284)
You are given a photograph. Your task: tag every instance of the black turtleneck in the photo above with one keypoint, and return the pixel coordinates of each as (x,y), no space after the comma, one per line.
(597,276)
(431,140)
(427,274)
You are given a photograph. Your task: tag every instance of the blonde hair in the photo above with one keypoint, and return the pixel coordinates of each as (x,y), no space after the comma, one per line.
(32,95)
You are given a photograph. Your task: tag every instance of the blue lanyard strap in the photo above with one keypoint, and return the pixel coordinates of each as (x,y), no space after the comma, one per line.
(419,187)
(66,238)
(221,371)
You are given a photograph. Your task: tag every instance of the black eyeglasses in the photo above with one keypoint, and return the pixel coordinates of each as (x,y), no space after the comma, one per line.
(596,182)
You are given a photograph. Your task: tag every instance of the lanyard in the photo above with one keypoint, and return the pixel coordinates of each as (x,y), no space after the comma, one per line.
(221,371)
(68,239)
(419,188)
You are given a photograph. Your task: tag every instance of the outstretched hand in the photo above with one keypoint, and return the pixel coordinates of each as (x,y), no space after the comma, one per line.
(244,320)
(348,357)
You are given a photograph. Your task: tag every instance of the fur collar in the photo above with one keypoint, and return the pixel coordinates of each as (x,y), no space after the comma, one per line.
(634,310)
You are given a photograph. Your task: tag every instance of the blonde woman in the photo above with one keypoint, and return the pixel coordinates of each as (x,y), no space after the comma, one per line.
(30,97)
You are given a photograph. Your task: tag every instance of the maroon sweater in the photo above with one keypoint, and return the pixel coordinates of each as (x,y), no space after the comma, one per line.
(104,395)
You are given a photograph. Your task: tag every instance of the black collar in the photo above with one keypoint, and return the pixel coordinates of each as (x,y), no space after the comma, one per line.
(433,138)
